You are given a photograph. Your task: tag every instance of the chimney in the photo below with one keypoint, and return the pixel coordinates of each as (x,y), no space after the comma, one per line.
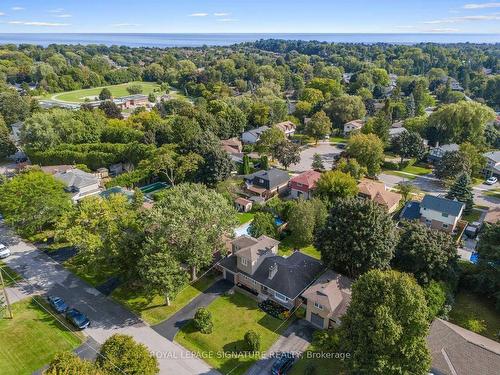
(272,271)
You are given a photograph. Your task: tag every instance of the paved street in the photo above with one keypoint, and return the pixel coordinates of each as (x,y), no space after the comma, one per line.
(324,148)
(108,317)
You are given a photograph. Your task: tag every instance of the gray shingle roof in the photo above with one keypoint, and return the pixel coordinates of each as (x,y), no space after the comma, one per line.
(444,205)
(275,176)
(493,155)
(76,178)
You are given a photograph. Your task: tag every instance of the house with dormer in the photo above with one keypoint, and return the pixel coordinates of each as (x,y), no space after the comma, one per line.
(255,266)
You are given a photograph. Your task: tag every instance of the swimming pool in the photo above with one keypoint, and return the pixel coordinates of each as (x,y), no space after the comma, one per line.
(244,230)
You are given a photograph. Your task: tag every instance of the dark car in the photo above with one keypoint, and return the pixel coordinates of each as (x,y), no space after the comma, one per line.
(341,145)
(77,318)
(57,303)
(283,363)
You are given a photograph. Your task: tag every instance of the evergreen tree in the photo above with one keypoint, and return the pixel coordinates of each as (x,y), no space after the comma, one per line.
(264,162)
(245,167)
(461,190)
(410,106)
(317,163)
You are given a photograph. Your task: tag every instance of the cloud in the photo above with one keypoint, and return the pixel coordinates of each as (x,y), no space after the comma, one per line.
(64,16)
(36,23)
(58,10)
(443,30)
(17,8)
(125,25)
(221,14)
(198,15)
(2,14)
(481,6)
(486,17)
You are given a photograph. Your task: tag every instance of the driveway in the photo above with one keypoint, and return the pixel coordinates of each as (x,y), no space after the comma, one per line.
(172,325)
(428,183)
(107,317)
(324,148)
(296,339)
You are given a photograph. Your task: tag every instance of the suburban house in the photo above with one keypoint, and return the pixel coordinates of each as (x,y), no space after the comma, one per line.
(377,192)
(53,169)
(435,212)
(253,136)
(396,131)
(458,351)
(266,184)
(327,299)
(81,184)
(131,101)
(492,168)
(353,125)
(255,267)
(436,153)
(303,185)
(232,145)
(287,127)
(242,204)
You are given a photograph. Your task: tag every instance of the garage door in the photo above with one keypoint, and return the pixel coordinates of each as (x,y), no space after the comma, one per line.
(230,276)
(317,320)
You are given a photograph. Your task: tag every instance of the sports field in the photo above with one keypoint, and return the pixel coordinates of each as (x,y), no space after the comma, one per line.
(80,96)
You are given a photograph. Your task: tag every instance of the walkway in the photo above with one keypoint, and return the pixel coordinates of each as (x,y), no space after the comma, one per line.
(172,325)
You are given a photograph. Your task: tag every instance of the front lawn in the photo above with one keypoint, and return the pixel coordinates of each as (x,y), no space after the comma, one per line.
(9,275)
(338,140)
(30,340)
(233,316)
(410,172)
(154,310)
(470,308)
(495,193)
(472,216)
(245,217)
(323,366)
(286,248)
(93,276)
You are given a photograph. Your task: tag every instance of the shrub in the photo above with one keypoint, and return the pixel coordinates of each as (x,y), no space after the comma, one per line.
(203,320)
(252,340)
(134,89)
(310,369)
(326,340)
(475,325)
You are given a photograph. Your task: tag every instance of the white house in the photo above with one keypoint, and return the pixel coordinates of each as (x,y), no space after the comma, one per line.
(287,127)
(492,164)
(440,213)
(253,136)
(353,125)
(79,183)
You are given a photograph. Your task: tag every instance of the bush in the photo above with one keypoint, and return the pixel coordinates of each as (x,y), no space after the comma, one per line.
(310,369)
(390,165)
(252,340)
(326,340)
(203,321)
(475,325)
(134,89)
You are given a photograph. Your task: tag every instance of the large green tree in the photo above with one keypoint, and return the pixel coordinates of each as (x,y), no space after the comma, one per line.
(194,220)
(70,363)
(452,165)
(333,185)
(33,201)
(7,148)
(304,219)
(368,150)
(13,107)
(358,236)
(263,224)
(461,190)
(488,275)
(287,153)
(344,109)
(319,126)
(269,139)
(409,145)
(386,325)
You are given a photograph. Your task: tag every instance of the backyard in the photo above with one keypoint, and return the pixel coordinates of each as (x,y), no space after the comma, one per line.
(153,310)
(245,217)
(233,315)
(472,216)
(286,248)
(32,338)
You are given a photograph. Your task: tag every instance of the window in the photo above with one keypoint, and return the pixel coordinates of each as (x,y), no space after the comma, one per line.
(428,222)
(280,297)
(318,306)
(444,215)
(244,261)
(445,226)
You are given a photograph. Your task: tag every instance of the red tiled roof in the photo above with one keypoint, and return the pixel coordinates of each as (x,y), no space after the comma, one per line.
(307,178)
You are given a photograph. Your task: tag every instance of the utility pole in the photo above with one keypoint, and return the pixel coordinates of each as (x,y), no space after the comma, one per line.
(5,293)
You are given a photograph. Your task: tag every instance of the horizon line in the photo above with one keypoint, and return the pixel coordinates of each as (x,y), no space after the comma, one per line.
(253,33)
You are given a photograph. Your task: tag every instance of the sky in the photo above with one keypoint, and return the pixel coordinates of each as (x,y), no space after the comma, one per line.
(249,16)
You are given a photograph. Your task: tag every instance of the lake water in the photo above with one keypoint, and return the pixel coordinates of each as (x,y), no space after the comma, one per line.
(198,40)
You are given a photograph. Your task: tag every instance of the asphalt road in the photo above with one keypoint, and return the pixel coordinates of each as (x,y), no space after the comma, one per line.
(324,148)
(44,275)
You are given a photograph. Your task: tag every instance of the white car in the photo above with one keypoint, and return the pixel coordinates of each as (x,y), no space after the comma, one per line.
(4,251)
(491,181)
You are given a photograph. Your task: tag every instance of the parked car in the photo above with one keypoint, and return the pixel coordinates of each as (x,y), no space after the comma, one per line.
(77,318)
(57,303)
(283,364)
(491,181)
(341,145)
(4,251)
(473,229)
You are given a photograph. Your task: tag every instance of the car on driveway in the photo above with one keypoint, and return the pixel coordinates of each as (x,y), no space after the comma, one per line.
(57,303)
(4,251)
(491,181)
(77,318)
(283,364)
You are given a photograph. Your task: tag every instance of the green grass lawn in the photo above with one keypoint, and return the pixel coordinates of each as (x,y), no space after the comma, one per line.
(469,306)
(154,310)
(232,316)
(495,193)
(79,96)
(286,248)
(9,275)
(245,217)
(93,276)
(472,216)
(413,170)
(338,140)
(323,366)
(30,340)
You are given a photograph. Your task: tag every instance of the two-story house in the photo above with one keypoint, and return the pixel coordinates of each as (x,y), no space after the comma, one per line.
(287,127)
(377,192)
(266,184)
(303,185)
(79,183)
(492,168)
(255,266)
(352,126)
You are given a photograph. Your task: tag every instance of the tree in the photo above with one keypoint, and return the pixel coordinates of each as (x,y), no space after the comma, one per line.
(352,167)
(317,163)
(405,189)
(7,148)
(269,139)
(488,275)
(344,109)
(476,159)
(358,236)
(121,354)
(134,89)
(160,272)
(319,126)
(33,201)
(13,107)
(252,340)
(368,150)
(245,167)
(379,125)
(151,97)
(105,94)
(452,164)
(426,253)
(263,224)
(287,153)
(435,295)
(203,320)
(385,326)
(409,145)
(195,221)
(461,190)
(333,185)
(110,109)
(304,219)
(69,363)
